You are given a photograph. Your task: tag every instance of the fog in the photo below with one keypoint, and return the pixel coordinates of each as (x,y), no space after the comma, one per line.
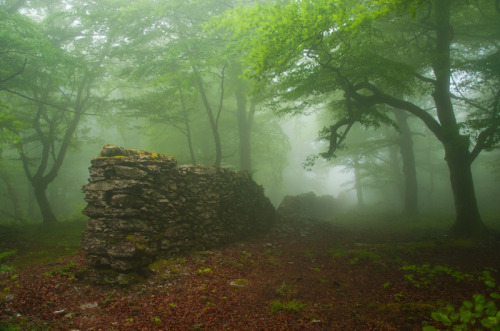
(338,165)
(177,81)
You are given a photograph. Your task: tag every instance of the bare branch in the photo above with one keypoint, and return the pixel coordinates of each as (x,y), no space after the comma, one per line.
(43,102)
(17,73)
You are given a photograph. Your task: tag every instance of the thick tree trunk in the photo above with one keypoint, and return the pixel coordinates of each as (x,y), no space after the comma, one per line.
(40,189)
(409,168)
(468,221)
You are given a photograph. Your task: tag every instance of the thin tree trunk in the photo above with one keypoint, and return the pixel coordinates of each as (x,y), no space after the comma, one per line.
(409,168)
(188,127)
(244,127)
(211,119)
(357,182)
(12,195)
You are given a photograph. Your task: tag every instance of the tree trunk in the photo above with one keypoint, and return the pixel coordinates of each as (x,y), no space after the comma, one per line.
(409,168)
(188,127)
(357,182)
(40,189)
(12,195)
(212,120)
(244,129)
(468,221)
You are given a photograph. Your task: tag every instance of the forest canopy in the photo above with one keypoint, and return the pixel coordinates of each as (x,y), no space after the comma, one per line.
(394,85)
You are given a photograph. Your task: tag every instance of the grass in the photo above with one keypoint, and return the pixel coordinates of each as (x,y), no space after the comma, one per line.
(38,244)
(293,306)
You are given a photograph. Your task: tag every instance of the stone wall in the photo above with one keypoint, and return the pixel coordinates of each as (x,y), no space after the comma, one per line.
(307,206)
(144,205)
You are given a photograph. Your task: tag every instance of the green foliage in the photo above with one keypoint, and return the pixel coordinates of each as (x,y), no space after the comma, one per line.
(293,306)
(4,255)
(66,270)
(204,271)
(286,290)
(425,275)
(480,313)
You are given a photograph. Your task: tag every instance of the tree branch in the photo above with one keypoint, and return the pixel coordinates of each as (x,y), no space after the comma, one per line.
(43,102)
(17,73)
(379,97)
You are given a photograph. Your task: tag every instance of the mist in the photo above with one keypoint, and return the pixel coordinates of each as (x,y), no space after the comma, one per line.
(228,164)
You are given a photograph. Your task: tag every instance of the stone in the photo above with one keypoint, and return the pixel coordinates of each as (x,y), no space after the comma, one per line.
(307,206)
(142,206)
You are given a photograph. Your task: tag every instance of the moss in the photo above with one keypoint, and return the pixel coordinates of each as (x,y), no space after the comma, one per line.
(164,266)
(113,157)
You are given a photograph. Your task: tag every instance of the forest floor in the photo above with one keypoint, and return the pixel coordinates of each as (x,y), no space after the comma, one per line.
(376,275)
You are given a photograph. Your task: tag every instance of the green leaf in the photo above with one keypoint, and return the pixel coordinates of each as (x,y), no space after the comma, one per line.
(441,317)
(468,304)
(465,316)
(489,283)
(489,322)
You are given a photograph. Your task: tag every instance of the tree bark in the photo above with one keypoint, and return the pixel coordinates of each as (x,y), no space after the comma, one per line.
(40,189)
(188,127)
(211,118)
(468,221)
(458,158)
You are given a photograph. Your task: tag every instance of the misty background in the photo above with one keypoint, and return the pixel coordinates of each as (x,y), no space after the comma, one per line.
(143,79)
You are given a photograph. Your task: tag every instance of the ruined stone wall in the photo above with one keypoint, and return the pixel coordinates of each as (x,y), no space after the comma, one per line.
(144,205)
(307,206)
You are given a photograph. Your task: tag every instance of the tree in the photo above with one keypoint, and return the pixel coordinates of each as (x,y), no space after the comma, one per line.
(52,93)
(378,54)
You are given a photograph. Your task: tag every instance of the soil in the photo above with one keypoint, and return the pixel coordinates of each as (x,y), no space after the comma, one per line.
(299,276)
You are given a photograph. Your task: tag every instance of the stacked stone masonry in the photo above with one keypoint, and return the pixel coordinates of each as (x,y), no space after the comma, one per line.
(144,205)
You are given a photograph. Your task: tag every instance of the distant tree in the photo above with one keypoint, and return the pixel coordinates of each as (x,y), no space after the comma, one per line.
(53,91)
(381,53)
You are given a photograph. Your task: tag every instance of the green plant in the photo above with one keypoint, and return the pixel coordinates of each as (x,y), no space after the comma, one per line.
(62,271)
(156,319)
(471,315)
(424,275)
(293,306)
(478,314)
(286,290)
(398,297)
(204,271)
(3,255)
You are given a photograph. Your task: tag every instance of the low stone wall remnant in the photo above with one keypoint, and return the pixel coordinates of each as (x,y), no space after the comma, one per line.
(307,206)
(144,205)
